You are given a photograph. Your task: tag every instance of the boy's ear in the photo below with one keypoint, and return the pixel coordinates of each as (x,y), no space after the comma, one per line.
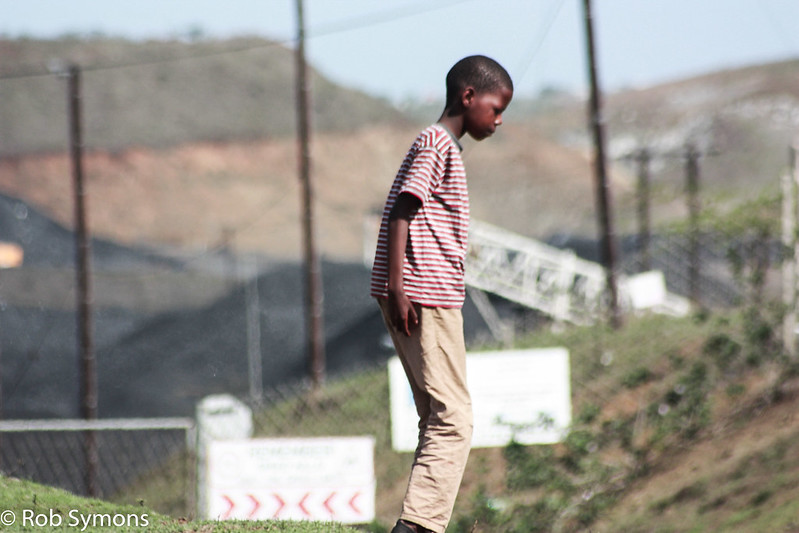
(467,96)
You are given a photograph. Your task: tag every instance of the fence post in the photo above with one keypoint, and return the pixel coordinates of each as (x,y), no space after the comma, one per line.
(789,259)
(694,208)
(219,417)
(252,305)
(643,158)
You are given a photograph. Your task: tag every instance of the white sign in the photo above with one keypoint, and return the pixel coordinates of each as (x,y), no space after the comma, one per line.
(524,395)
(329,478)
(647,289)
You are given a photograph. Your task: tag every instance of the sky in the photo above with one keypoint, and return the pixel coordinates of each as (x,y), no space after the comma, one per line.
(402,49)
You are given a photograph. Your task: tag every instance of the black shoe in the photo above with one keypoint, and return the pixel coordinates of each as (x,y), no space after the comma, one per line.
(401,527)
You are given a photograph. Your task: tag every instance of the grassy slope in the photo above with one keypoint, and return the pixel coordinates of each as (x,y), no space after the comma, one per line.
(721,458)
(52,507)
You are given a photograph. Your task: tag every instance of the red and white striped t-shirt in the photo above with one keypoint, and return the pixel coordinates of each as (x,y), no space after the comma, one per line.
(432,171)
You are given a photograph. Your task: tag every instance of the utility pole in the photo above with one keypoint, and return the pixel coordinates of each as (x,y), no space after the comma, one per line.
(313,273)
(88,370)
(606,236)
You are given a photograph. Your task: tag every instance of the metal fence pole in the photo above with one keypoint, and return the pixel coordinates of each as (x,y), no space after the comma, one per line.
(643,158)
(789,259)
(252,304)
(694,208)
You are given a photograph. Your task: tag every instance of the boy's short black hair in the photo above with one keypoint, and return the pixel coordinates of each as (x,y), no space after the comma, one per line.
(480,72)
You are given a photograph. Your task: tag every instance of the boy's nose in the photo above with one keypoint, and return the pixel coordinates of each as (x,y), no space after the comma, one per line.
(498,121)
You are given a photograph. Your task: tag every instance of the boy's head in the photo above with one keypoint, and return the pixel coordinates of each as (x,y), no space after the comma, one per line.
(479,72)
(478,91)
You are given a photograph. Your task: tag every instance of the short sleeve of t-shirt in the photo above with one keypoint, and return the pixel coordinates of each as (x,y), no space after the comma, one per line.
(424,174)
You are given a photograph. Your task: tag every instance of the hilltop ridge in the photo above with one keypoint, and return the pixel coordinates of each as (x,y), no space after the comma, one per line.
(164,93)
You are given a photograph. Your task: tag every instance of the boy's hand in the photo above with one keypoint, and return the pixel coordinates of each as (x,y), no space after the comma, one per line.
(402,313)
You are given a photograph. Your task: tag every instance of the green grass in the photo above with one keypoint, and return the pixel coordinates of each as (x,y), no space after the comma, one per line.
(645,396)
(164,489)
(26,506)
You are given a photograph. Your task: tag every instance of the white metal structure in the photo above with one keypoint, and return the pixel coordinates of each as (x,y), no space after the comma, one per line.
(536,275)
(554,281)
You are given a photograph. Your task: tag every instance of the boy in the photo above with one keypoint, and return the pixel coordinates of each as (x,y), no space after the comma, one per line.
(418,280)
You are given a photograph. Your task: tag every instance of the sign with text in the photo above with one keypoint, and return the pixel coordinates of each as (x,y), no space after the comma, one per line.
(524,395)
(329,478)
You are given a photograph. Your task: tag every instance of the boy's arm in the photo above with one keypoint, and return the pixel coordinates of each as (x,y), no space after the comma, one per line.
(401,311)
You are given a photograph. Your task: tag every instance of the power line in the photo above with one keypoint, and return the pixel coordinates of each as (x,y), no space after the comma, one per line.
(532,52)
(244,224)
(56,69)
(377,18)
(353,23)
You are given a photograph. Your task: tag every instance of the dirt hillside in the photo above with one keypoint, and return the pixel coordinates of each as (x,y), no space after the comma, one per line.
(246,194)
(191,146)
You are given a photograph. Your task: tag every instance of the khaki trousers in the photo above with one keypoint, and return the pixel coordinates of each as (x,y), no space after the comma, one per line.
(434,358)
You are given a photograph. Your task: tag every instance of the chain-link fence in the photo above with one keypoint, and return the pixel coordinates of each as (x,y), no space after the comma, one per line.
(714,277)
(152,461)
(130,460)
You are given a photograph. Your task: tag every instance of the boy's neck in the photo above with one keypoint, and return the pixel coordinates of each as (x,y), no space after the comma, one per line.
(453,122)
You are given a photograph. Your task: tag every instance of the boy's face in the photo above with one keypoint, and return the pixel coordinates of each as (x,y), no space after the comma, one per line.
(484,111)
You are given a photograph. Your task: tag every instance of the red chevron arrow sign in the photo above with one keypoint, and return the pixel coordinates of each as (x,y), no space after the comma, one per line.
(291,479)
(343,505)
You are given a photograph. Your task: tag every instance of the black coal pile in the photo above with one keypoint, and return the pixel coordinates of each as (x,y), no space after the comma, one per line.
(162,363)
